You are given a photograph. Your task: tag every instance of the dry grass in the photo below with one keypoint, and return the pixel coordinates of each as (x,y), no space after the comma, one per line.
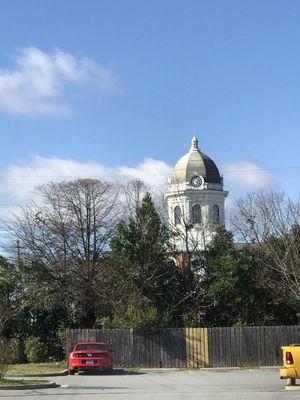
(32,368)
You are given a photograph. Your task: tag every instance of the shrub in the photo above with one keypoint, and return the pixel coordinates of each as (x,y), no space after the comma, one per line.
(17,350)
(35,349)
(55,350)
(144,321)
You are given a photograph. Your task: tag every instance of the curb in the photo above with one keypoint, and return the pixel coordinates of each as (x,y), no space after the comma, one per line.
(159,369)
(35,386)
(292,387)
(210,369)
(60,373)
(220,369)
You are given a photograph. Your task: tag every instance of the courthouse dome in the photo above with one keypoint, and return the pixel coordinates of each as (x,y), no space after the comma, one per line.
(195,163)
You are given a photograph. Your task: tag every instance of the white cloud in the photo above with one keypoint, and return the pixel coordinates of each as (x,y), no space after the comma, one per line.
(18,181)
(153,172)
(248,176)
(37,85)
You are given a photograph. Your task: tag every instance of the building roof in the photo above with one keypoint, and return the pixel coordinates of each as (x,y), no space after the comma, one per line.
(195,163)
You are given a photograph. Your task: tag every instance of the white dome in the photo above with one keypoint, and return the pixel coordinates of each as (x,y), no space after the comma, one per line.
(195,163)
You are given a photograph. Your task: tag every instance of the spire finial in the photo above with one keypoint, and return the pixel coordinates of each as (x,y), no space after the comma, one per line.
(194,143)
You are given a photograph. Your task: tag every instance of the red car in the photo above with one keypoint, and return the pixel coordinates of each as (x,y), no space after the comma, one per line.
(90,356)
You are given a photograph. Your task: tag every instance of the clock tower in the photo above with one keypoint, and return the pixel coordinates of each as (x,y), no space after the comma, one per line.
(195,200)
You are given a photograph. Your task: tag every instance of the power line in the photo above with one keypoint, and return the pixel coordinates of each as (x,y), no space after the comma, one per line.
(240,171)
(248,171)
(260,170)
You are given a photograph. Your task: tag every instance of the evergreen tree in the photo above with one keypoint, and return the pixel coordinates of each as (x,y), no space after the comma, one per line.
(149,285)
(234,289)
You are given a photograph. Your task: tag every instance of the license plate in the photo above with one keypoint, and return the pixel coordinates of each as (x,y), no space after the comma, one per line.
(89,362)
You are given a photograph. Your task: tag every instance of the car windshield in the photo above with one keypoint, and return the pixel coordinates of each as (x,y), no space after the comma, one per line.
(90,346)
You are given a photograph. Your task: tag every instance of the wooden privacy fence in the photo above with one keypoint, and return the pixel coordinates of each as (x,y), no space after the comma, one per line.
(167,348)
(193,347)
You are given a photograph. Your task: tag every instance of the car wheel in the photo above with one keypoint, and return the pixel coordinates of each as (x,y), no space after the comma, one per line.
(72,371)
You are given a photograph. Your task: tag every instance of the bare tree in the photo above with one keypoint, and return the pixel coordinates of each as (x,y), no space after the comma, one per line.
(190,237)
(63,238)
(134,193)
(270,222)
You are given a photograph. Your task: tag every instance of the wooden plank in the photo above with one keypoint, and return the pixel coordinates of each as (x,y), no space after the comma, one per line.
(155,349)
(262,345)
(197,348)
(181,348)
(136,349)
(120,347)
(211,347)
(243,357)
(179,345)
(126,348)
(171,348)
(158,349)
(188,347)
(161,352)
(206,344)
(273,340)
(217,347)
(202,351)
(168,350)
(148,351)
(221,345)
(227,346)
(228,352)
(200,348)
(257,341)
(192,347)
(233,342)
(223,349)
(142,351)
(132,349)
(267,346)
(139,350)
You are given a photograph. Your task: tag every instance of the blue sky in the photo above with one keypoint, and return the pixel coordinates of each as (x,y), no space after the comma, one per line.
(146,74)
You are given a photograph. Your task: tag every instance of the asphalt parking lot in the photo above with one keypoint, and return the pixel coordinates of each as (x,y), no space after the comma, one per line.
(165,385)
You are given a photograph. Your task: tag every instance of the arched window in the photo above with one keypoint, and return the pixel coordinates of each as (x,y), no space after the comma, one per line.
(196,212)
(177,215)
(216,214)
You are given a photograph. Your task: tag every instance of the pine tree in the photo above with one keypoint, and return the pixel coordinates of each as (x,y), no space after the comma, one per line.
(150,286)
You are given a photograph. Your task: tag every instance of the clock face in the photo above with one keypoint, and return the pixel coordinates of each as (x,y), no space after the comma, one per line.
(197,181)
